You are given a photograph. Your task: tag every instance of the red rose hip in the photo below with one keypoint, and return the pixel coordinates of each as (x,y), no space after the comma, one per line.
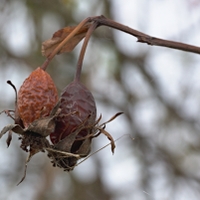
(36,97)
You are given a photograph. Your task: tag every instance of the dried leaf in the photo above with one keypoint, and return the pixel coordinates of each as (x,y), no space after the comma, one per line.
(49,45)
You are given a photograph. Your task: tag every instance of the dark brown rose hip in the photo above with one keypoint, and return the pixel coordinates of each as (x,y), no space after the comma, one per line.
(77,107)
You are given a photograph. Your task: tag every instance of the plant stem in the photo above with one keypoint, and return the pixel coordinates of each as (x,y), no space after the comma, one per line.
(83,50)
(13,86)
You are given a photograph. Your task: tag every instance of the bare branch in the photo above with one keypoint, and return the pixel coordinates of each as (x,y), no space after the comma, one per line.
(144,38)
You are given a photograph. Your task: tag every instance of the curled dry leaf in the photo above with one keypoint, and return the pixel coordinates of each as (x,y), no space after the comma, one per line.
(49,45)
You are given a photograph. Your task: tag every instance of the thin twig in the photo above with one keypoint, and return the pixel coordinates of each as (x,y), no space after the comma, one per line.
(144,38)
(83,49)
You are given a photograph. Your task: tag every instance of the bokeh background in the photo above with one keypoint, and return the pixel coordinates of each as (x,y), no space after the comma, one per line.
(158,89)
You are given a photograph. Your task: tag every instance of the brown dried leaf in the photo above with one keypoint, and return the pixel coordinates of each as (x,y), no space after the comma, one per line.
(49,45)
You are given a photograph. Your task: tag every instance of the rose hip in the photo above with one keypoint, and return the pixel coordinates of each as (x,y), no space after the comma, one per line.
(36,97)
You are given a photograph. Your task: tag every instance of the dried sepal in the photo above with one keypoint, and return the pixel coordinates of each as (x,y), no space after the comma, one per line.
(71,145)
(30,142)
(74,147)
(9,138)
(8,113)
(24,176)
(44,126)
(112,118)
(102,127)
(62,159)
(31,153)
(33,138)
(112,142)
(12,127)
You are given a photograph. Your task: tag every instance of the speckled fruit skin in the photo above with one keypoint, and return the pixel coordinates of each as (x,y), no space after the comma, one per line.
(36,97)
(77,106)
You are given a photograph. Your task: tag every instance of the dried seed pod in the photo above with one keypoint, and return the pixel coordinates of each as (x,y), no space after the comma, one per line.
(74,123)
(77,106)
(37,97)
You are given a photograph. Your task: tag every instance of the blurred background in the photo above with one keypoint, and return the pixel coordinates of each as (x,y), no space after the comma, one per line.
(158,89)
